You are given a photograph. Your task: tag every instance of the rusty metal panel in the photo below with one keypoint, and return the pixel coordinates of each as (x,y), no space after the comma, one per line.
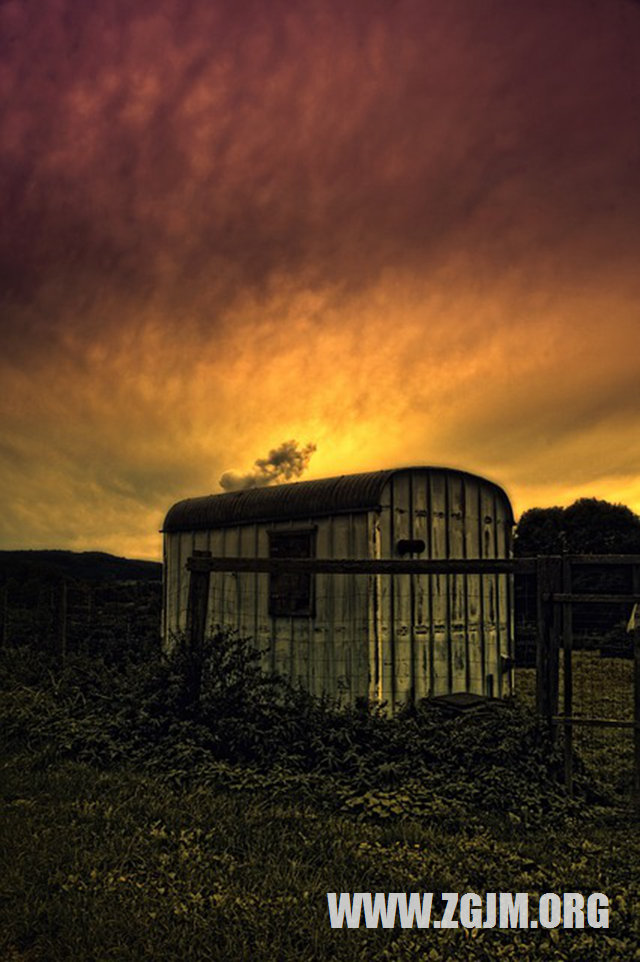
(301,499)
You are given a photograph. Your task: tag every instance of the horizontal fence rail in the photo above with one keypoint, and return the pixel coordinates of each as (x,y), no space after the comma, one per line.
(203,561)
(569,598)
(349,566)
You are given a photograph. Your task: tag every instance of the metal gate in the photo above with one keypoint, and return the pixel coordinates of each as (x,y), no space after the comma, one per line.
(590,697)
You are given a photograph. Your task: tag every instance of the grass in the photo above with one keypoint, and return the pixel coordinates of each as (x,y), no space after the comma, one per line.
(602,688)
(120,865)
(126,840)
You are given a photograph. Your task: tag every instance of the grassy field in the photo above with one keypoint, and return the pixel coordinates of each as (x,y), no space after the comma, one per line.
(133,830)
(602,688)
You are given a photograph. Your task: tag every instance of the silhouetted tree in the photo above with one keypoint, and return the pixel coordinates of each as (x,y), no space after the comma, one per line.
(539,532)
(588,526)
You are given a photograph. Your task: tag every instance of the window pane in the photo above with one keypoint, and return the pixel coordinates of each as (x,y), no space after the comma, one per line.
(290,593)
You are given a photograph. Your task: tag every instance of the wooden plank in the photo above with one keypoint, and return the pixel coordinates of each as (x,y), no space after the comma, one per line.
(265,630)
(217,586)
(401,529)
(375,622)
(253,583)
(439,585)
(176,565)
(473,668)
(229,606)
(342,611)
(282,625)
(386,601)
(196,629)
(165,605)
(506,645)
(361,587)
(493,668)
(498,587)
(323,636)
(245,604)
(485,690)
(186,552)
(420,613)
(457,586)
(430,589)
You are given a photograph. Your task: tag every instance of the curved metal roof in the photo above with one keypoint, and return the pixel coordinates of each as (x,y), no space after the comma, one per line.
(300,499)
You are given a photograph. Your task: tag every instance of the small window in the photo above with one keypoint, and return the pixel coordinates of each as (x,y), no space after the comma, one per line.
(291,592)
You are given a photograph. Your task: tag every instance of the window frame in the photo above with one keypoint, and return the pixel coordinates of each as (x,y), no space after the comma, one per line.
(285,587)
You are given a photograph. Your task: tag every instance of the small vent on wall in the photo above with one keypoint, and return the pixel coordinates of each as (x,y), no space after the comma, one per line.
(410,546)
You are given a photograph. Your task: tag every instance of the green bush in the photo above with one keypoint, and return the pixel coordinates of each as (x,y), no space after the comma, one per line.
(497,760)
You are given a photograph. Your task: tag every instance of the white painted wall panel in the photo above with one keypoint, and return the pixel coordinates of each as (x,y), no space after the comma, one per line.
(392,639)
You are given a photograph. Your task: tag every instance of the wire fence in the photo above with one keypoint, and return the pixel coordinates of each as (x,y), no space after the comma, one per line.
(96,619)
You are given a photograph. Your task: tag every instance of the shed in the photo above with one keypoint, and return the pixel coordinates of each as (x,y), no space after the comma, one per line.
(390,638)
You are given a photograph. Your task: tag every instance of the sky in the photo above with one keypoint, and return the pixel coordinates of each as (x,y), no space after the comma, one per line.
(396,232)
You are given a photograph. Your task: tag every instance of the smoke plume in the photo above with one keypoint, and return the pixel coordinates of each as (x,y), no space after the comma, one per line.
(283,463)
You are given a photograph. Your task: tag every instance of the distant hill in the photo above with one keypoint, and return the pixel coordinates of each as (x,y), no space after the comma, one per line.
(78,565)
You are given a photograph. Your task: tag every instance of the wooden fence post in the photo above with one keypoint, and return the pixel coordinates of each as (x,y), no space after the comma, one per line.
(5,614)
(549,575)
(62,624)
(636,693)
(196,628)
(567,674)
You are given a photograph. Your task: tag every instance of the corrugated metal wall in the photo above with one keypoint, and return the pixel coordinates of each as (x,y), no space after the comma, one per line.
(328,653)
(394,639)
(441,634)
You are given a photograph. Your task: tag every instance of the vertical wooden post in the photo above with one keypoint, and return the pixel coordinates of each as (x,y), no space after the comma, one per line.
(636,695)
(5,593)
(196,628)
(89,590)
(549,574)
(62,624)
(567,645)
